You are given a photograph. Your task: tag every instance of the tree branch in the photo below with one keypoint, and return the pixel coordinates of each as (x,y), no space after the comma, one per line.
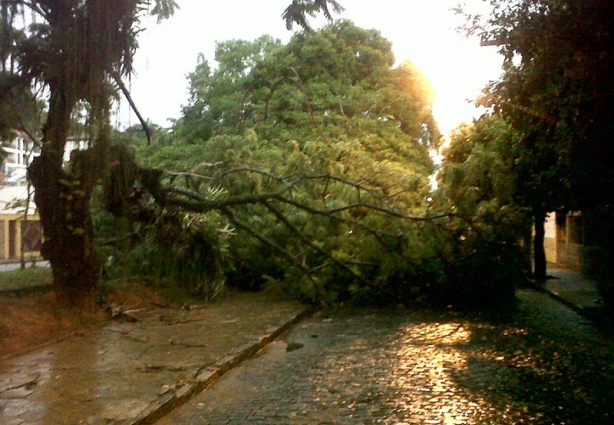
(199,203)
(302,237)
(228,214)
(118,79)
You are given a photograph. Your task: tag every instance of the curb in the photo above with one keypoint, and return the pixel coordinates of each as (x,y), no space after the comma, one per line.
(208,375)
(583,312)
(568,304)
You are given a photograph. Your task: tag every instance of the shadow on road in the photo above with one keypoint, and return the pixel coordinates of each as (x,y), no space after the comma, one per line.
(547,366)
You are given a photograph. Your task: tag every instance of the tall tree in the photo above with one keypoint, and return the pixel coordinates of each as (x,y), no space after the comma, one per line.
(315,151)
(557,92)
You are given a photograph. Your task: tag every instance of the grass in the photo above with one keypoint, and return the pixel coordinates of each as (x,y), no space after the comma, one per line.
(25,278)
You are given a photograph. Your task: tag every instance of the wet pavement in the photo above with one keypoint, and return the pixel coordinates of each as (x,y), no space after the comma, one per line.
(577,290)
(391,366)
(132,372)
(397,367)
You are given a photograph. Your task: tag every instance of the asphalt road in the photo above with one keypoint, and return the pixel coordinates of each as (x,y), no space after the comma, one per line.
(393,366)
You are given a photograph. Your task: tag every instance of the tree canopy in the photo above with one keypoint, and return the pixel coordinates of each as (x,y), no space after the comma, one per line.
(557,94)
(327,155)
(312,158)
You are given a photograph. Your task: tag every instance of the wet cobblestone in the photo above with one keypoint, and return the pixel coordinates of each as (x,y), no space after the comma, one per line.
(396,367)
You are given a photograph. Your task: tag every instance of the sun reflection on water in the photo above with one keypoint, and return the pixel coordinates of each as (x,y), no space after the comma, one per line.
(433,352)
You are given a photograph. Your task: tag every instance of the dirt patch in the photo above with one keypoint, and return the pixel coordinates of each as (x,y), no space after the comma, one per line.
(31,321)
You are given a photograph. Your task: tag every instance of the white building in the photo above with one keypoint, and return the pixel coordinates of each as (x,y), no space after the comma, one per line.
(75,143)
(21,151)
(19,235)
(19,154)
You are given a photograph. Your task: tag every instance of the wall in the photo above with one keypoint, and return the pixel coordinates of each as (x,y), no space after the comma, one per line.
(15,234)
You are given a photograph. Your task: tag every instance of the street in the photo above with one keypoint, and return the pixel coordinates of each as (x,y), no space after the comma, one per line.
(393,366)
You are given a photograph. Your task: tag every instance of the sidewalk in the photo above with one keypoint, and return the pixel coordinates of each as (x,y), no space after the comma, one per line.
(134,372)
(573,288)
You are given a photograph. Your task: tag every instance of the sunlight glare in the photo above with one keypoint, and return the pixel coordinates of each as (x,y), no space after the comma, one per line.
(436,396)
(425,34)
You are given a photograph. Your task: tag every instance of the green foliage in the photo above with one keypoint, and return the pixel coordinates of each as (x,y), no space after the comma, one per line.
(25,278)
(185,249)
(493,228)
(164,9)
(18,107)
(311,178)
(299,11)
(342,140)
(177,249)
(556,93)
(480,165)
(138,239)
(317,154)
(320,85)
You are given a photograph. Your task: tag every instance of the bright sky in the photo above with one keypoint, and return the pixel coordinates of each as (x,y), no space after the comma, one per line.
(421,31)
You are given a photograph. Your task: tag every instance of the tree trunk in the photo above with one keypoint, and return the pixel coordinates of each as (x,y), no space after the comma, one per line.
(62,199)
(527,251)
(539,253)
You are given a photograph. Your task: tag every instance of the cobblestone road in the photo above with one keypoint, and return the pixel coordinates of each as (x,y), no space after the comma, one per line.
(397,367)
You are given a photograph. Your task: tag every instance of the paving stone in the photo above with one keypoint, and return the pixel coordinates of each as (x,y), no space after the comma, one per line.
(398,367)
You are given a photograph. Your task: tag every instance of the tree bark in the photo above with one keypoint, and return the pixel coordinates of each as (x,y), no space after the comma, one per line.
(539,253)
(62,199)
